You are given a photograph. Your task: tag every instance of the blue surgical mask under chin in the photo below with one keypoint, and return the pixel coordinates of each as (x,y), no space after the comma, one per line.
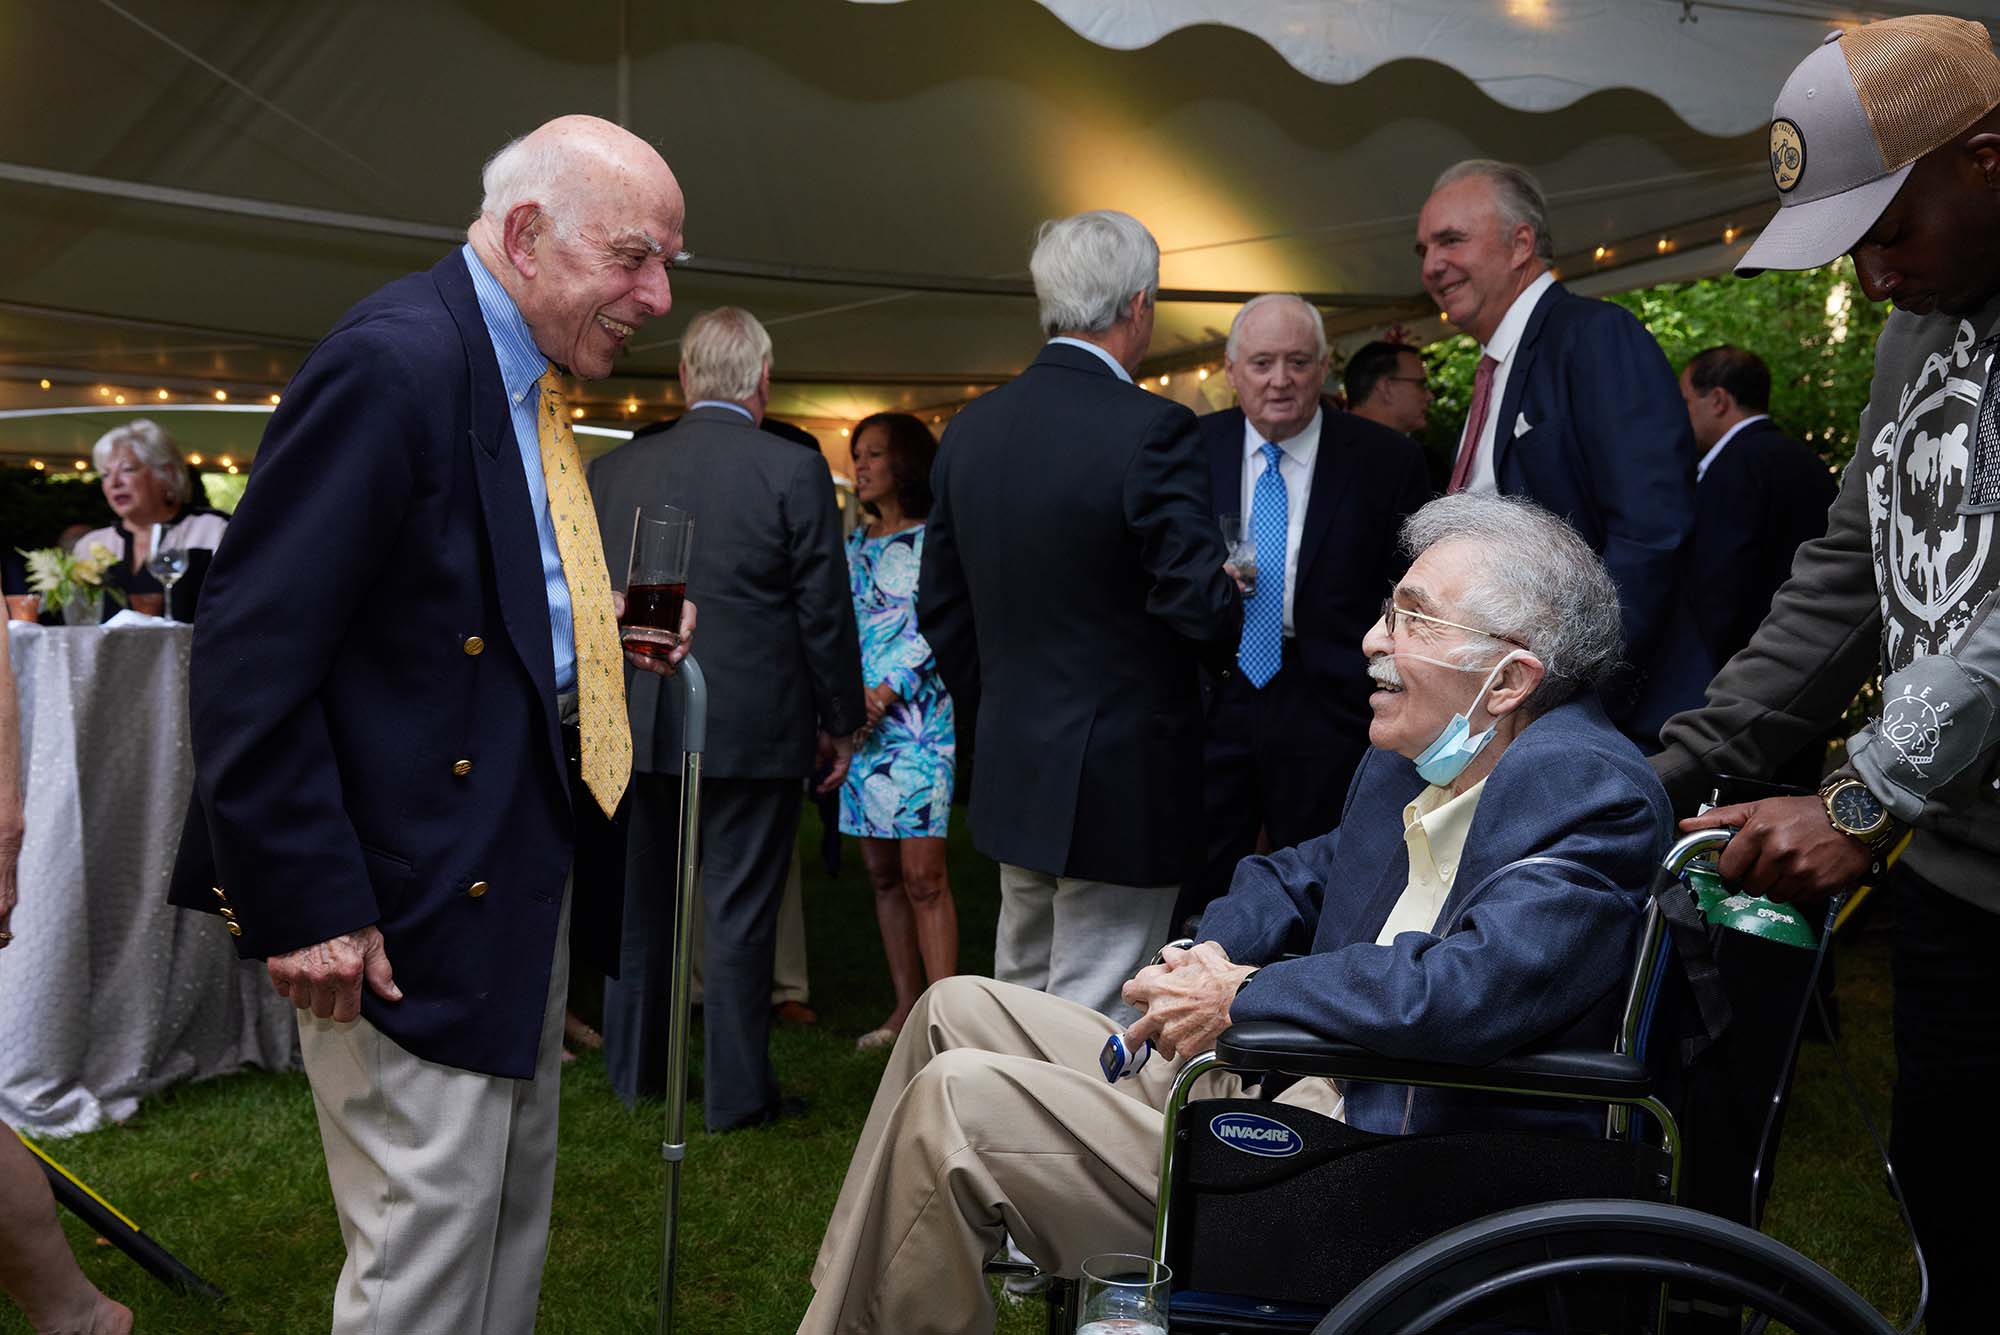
(1456,746)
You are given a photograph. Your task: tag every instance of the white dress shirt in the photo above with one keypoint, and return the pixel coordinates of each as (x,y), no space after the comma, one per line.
(1434,830)
(1506,339)
(1701,468)
(1295,465)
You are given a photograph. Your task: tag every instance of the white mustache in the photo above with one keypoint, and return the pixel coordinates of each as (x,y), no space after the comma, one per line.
(1382,671)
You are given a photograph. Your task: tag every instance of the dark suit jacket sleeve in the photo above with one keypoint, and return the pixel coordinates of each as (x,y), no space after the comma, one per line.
(1167,505)
(944,603)
(328,494)
(820,594)
(1516,959)
(1632,426)
(1792,683)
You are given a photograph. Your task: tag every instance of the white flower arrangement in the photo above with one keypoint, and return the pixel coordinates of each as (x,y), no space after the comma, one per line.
(71,582)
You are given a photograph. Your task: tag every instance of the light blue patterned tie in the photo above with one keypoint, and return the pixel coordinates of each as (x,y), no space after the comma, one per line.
(1264,613)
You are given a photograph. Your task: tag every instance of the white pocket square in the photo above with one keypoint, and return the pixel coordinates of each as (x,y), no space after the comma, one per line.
(1521,427)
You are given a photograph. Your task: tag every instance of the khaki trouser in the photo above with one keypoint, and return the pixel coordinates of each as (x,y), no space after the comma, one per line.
(992,1119)
(441,1177)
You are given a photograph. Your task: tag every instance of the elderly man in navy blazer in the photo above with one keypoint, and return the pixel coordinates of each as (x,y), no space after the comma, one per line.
(1575,407)
(409,722)
(1325,493)
(1482,895)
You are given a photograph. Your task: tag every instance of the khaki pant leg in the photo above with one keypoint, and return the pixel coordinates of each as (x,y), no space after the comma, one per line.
(993,1118)
(788,967)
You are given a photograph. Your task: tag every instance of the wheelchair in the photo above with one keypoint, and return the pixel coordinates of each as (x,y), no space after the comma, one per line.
(1482,1230)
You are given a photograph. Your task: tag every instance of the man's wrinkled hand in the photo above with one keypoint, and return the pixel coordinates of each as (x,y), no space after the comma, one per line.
(1785,849)
(326,979)
(1185,998)
(660,666)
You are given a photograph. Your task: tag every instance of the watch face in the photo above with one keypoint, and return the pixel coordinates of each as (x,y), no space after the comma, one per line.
(1855,809)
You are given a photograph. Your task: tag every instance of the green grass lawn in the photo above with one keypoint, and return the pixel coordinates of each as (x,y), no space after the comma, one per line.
(228,1174)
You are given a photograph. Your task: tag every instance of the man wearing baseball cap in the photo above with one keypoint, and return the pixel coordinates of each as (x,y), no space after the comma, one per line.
(1885,145)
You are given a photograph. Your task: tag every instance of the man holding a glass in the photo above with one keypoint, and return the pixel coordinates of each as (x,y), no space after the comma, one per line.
(408,718)
(1482,893)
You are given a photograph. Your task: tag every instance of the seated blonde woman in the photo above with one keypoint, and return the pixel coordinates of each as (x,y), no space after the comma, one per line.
(146,483)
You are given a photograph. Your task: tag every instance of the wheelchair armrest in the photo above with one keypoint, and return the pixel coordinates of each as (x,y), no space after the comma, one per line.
(1273,1046)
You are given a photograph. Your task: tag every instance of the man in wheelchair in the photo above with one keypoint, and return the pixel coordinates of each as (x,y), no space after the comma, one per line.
(1482,894)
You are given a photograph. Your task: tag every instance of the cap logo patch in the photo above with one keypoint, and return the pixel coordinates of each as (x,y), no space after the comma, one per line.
(1788,154)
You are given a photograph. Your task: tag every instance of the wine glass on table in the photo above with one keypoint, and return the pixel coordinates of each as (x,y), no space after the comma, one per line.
(656,579)
(167,561)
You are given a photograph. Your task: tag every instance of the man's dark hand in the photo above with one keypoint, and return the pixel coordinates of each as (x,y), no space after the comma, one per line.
(842,751)
(1185,998)
(1786,849)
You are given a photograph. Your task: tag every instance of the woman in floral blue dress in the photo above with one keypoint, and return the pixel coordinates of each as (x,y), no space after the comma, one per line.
(897,797)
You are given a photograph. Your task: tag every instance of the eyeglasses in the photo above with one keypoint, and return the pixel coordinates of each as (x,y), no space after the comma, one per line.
(1391,613)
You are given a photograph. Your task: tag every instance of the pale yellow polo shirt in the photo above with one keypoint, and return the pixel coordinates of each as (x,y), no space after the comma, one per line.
(1434,828)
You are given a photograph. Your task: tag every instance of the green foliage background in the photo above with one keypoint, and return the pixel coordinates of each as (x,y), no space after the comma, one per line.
(1819,373)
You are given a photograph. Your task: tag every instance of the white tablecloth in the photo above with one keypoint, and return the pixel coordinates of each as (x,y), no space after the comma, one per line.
(107,994)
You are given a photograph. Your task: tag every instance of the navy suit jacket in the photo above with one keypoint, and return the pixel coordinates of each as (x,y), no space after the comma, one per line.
(1366,480)
(1072,581)
(1764,495)
(1529,953)
(1592,426)
(374,617)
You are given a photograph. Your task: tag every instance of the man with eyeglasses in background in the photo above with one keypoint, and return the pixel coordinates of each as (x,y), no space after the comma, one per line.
(1389,383)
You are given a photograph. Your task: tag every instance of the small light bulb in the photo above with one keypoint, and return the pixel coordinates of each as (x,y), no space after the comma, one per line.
(37,465)
(274,399)
(222,396)
(81,466)
(232,470)
(1729,236)
(576,413)
(103,391)
(195,459)
(1202,374)
(843,433)
(1163,382)
(161,395)
(45,384)
(226,461)
(118,398)
(1663,245)
(1600,254)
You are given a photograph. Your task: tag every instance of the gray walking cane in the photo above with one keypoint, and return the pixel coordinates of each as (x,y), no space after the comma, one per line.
(673,1149)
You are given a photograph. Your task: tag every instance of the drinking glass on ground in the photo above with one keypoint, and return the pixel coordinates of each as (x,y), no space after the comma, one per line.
(1122,1294)
(656,579)
(1241,560)
(167,561)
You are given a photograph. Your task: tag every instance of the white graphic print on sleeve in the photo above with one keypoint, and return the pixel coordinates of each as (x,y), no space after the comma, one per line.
(1931,562)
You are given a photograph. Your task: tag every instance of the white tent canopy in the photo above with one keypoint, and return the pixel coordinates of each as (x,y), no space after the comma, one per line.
(192,190)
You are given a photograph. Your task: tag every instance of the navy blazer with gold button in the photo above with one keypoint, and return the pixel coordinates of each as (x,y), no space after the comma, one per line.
(372,699)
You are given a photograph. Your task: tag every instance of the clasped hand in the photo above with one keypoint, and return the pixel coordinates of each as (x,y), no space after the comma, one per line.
(661,666)
(1185,997)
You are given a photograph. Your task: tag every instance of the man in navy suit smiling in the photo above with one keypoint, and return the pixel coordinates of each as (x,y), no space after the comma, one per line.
(408,719)
(1575,407)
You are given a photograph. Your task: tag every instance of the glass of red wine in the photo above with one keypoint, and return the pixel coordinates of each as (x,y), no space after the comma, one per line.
(656,580)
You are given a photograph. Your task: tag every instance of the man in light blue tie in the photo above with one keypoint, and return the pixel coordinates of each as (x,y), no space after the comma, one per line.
(1321,493)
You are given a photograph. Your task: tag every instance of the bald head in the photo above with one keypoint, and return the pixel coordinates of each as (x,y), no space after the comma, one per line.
(581,223)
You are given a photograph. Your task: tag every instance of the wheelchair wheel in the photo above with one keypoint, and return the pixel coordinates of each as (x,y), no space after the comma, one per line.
(1541,1254)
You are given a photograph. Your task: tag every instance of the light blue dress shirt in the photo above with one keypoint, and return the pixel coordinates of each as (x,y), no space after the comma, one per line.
(521,368)
(724,403)
(1096,352)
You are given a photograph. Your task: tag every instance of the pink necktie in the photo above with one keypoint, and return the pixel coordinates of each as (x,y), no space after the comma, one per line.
(1482,393)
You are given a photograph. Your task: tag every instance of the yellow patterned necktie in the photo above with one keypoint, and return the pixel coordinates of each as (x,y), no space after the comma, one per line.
(600,662)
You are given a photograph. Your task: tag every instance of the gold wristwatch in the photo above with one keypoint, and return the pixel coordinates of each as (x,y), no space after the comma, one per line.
(1859,814)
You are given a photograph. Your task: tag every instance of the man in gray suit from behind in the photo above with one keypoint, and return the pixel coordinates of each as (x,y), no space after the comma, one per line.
(783,662)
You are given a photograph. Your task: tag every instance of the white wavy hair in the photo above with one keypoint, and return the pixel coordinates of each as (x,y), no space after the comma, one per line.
(723,355)
(1086,268)
(154,450)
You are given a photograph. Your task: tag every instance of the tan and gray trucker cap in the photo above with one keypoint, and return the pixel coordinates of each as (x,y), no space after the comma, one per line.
(1854,118)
